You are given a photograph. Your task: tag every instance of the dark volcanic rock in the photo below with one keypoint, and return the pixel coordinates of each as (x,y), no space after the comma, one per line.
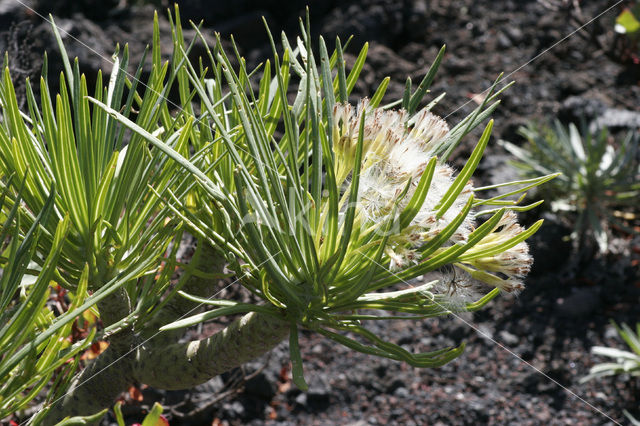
(94,9)
(551,247)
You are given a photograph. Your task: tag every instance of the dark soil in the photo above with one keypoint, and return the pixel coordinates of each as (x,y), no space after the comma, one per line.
(526,355)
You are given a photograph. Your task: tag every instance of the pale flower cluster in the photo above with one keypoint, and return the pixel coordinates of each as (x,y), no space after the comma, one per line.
(513,263)
(396,151)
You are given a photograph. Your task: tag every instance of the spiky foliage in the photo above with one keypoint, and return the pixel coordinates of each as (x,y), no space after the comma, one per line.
(347,203)
(600,178)
(622,362)
(100,232)
(324,211)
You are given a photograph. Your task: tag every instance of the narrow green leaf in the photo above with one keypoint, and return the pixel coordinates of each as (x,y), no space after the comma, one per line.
(513,241)
(406,97)
(153,418)
(343,95)
(237,308)
(465,174)
(424,85)
(63,51)
(357,68)
(296,360)
(379,94)
(208,185)
(117,409)
(350,214)
(83,420)
(420,194)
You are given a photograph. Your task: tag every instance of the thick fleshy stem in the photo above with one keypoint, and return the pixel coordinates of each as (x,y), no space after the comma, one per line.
(206,260)
(113,309)
(184,365)
(161,362)
(177,366)
(96,387)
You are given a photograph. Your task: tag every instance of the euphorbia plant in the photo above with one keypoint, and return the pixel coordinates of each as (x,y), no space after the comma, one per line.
(323,210)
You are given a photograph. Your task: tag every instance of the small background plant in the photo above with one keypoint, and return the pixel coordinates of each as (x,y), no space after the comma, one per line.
(599,186)
(153,418)
(627,27)
(623,363)
(617,36)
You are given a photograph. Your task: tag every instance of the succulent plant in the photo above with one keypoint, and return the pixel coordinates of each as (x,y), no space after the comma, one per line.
(323,210)
(627,28)
(622,362)
(600,181)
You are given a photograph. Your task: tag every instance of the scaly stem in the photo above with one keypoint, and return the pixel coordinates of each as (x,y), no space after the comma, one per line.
(113,309)
(177,366)
(184,365)
(96,387)
(159,360)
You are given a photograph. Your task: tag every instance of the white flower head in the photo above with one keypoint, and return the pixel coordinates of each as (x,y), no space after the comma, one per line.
(401,257)
(429,129)
(456,288)
(507,269)
(396,151)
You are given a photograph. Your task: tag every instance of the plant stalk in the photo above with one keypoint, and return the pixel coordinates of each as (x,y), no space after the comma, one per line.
(158,359)
(188,364)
